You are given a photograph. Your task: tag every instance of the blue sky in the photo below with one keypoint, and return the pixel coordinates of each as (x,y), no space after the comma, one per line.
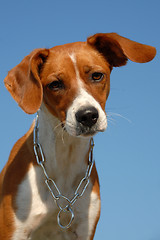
(128,154)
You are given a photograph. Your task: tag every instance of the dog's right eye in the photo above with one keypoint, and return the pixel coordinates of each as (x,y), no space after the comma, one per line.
(56,85)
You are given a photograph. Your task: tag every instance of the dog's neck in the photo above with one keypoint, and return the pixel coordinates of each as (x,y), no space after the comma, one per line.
(64,154)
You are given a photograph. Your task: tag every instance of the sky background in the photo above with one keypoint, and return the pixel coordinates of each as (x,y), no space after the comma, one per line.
(128,154)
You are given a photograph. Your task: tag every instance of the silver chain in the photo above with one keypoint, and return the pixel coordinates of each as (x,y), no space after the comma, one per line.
(51,185)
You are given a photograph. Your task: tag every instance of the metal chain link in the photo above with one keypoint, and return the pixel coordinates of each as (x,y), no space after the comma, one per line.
(50,183)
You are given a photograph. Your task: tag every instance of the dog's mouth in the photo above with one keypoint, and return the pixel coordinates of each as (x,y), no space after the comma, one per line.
(86,131)
(79,130)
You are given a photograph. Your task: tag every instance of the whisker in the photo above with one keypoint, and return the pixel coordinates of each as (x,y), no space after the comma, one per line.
(63,130)
(118,115)
(58,125)
(113,121)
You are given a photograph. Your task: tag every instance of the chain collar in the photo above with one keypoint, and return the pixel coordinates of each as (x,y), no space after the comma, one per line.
(51,185)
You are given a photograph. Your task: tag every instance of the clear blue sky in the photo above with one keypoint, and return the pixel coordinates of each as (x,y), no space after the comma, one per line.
(128,153)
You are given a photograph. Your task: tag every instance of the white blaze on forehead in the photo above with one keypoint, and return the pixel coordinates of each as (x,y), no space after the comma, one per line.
(84,97)
(73,58)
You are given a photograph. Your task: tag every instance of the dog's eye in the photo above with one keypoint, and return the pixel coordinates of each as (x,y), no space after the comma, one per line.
(56,85)
(97,76)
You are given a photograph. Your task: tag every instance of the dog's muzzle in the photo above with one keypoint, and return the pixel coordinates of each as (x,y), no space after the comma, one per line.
(85,118)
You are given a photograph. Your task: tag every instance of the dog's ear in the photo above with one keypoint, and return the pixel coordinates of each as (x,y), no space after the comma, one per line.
(23,81)
(117,49)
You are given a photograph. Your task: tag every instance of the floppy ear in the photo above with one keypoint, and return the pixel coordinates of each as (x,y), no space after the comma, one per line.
(117,50)
(23,81)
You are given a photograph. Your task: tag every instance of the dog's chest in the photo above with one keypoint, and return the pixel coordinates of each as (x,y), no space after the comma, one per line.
(36,216)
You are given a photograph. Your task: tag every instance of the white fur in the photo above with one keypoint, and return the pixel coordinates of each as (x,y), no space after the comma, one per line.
(36,216)
(31,210)
(83,99)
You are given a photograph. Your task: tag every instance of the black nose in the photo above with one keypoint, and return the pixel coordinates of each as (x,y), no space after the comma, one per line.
(87,116)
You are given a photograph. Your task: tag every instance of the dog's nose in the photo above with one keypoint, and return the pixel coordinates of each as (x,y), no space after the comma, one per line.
(87,116)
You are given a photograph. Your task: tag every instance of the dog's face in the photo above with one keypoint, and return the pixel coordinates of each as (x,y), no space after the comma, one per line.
(73,80)
(76,82)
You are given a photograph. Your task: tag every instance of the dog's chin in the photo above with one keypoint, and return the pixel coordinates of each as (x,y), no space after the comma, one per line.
(83,132)
(86,132)
(86,135)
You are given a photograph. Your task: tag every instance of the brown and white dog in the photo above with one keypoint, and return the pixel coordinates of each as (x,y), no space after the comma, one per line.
(69,86)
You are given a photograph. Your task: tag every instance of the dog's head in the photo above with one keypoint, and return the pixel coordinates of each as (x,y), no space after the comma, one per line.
(73,80)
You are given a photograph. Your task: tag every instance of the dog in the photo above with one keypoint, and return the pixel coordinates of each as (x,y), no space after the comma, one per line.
(49,188)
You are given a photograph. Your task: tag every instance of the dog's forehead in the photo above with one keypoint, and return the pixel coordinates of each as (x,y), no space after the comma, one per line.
(61,57)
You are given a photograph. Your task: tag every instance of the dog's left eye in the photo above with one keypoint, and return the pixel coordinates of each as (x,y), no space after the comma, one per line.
(56,85)
(97,76)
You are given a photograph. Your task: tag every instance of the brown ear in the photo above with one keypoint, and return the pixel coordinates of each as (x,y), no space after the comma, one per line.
(117,49)
(23,81)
